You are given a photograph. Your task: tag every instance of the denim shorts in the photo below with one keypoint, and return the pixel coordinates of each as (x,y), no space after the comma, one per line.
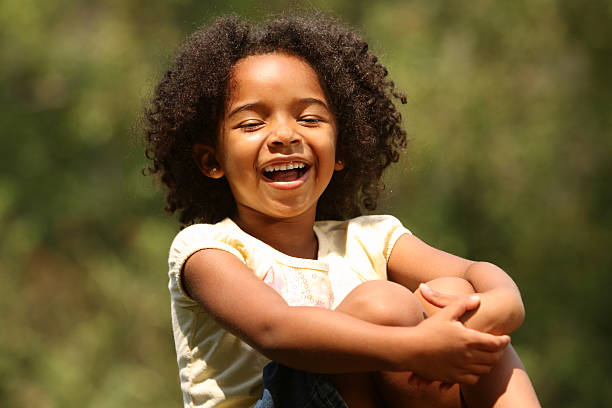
(285,387)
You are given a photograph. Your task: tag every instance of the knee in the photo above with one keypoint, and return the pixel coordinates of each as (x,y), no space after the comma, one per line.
(451,285)
(383,302)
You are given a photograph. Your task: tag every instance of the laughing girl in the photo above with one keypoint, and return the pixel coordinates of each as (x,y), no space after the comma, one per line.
(272,139)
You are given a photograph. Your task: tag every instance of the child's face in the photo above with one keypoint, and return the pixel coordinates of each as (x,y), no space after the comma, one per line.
(277,144)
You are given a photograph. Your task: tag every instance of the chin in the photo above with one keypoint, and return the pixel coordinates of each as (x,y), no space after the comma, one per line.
(289,211)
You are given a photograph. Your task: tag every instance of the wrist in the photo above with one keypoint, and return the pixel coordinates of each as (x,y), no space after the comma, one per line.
(403,349)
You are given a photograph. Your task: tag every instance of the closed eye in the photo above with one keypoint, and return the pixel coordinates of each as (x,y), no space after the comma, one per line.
(309,121)
(250,126)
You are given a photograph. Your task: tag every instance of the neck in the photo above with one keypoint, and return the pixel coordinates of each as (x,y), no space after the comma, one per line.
(292,236)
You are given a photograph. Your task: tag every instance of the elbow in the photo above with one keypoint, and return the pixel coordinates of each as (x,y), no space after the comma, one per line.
(267,342)
(503,313)
(516,321)
(520,313)
(516,315)
(268,337)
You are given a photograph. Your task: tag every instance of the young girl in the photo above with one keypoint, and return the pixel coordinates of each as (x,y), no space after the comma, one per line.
(271,139)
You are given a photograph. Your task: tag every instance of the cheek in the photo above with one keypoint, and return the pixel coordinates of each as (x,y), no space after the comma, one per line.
(328,149)
(229,151)
(238,158)
(327,158)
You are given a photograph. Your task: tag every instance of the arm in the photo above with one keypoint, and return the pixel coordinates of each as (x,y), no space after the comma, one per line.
(501,309)
(321,340)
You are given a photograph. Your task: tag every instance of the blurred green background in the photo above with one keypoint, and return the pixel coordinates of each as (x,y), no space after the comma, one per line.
(510,116)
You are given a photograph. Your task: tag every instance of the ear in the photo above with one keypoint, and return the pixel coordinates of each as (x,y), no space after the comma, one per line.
(339,165)
(206,161)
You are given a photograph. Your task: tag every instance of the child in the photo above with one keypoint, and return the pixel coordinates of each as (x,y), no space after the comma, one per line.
(258,131)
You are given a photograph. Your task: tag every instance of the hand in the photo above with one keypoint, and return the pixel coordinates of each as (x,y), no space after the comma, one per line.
(420,383)
(417,381)
(451,353)
(495,315)
(440,300)
(436,298)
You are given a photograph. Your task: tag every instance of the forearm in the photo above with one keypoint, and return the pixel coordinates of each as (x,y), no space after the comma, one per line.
(437,348)
(501,309)
(307,338)
(320,340)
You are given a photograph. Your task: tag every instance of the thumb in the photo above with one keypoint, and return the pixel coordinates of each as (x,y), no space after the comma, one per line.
(457,308)
(434,297)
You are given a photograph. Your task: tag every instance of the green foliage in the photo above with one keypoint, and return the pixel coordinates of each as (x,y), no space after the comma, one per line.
(509,115)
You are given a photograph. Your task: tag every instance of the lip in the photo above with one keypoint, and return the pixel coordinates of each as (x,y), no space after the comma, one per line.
(285,166)
(285,160)
(289,185)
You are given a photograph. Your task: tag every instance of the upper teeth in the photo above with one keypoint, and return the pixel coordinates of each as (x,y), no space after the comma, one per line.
(284,166)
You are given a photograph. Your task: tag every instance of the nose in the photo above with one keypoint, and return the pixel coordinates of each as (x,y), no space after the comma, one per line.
(284,135)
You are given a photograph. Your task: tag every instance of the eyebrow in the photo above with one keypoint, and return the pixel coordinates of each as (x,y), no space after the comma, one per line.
(304,101)
(241,108)
(314,101)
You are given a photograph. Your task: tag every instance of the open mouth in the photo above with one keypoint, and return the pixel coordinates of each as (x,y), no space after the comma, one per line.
(285,172)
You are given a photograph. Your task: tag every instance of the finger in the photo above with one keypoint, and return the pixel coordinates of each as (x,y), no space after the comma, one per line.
(477,369)
(457,308)
(481,369)
(486,358)
(490,342)
(417,381)
(445,386)
(413,379)
(469,379)
(434,297)
(423,383)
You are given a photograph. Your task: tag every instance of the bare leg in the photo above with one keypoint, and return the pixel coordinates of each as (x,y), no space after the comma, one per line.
(396,388)
(380,302)
(387,303)
(507,385)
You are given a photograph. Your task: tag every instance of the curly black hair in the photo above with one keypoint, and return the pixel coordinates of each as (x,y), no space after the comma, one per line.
(189,100)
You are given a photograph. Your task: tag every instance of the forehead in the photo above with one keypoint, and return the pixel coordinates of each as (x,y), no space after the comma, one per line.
(273,74)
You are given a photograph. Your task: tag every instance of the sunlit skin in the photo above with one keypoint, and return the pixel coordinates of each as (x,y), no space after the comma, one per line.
(276,114)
